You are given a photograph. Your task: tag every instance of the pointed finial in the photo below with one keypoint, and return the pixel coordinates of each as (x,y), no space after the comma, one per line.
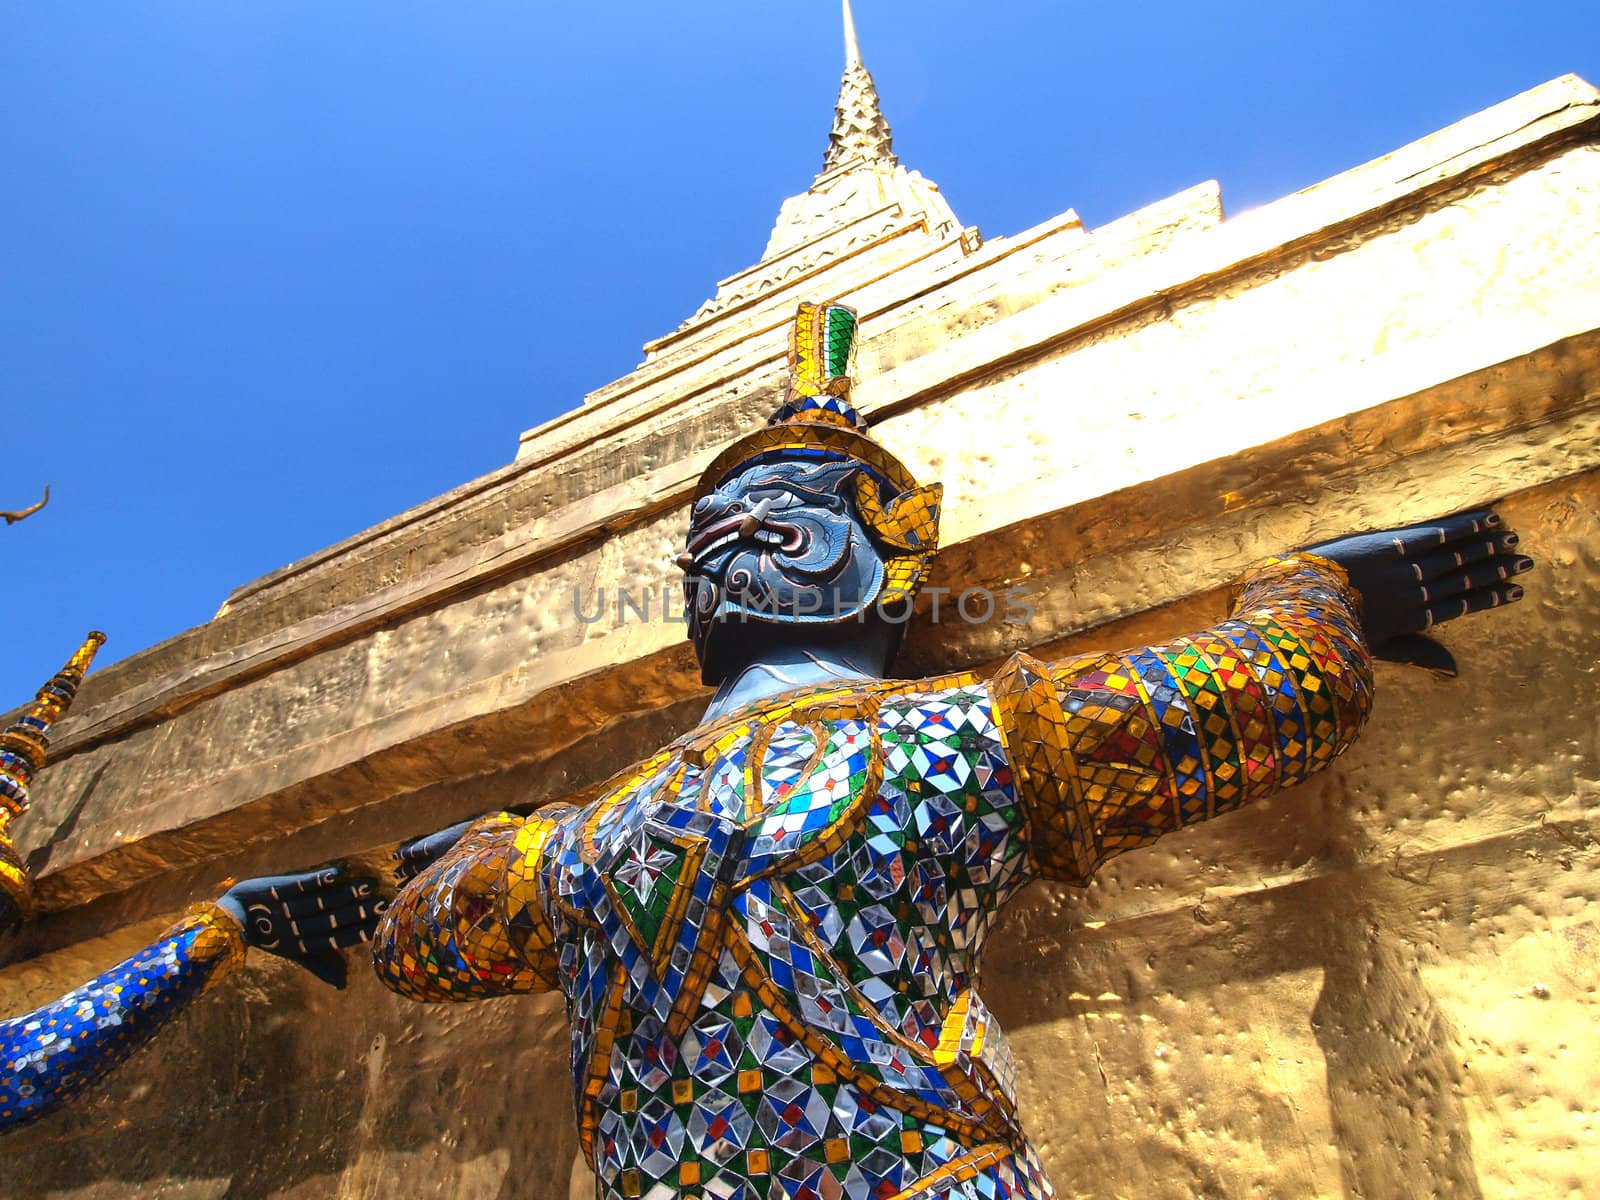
(859,131)
(24,742)
(22,750)
(852,48)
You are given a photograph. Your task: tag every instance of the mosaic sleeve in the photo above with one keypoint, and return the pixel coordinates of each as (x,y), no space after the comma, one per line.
(51,1054)
(1113,750)
(474,923)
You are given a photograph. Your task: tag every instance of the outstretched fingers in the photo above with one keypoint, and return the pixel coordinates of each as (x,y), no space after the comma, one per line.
(330,898)
(322,933)
(350,927)
(412,859)
(1416,541)
(420,853)
(356,920)
(286,888)
(1462,552)
(1412,578)
(1470,602)
(1475,577)
(308,918)
(1452,567)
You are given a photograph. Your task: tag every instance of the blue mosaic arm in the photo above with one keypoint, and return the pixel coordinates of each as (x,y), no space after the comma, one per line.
(51,1054)
(473,924)
(1113,750)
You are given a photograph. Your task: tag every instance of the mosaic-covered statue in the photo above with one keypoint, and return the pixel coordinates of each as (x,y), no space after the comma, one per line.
(768,934)
(52,1054)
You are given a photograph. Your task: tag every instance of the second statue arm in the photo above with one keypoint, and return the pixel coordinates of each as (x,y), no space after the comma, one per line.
(472,922)
(1113,750)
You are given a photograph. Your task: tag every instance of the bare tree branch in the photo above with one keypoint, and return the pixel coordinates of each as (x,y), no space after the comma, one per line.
(13,517)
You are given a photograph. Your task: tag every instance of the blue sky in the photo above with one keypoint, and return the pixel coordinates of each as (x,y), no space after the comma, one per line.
(271,273)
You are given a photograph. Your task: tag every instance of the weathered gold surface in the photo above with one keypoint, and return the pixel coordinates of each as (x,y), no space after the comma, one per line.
(1380,985)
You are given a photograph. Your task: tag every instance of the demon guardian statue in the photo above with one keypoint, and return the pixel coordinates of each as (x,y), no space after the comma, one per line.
(768,933)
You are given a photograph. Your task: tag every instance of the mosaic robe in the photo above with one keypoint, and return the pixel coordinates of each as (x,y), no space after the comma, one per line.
(768,934)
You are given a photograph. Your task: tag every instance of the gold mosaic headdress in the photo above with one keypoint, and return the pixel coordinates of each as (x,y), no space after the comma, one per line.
(22,755)
(817,420)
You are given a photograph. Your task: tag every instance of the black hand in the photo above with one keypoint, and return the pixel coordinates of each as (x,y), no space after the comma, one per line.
(420,853)
(307,918)
(1413,578)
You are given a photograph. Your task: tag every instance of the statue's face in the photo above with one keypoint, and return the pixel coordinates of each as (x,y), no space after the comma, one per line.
(779,544)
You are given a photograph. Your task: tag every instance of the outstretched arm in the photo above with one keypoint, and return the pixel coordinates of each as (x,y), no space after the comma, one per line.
(1112,751)
(51,1054)
(472,922)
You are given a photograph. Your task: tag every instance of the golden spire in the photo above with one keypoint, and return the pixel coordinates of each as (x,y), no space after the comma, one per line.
(23,744)
(859,130)
(852,48)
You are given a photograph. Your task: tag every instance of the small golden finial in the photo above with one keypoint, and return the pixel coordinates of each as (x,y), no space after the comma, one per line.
(25,741)
(22,753)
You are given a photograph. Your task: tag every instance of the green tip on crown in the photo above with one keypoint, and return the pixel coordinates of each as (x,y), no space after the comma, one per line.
(822,344)
(839,338)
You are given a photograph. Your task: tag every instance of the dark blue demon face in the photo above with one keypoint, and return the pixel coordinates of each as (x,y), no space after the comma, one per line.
(779,544)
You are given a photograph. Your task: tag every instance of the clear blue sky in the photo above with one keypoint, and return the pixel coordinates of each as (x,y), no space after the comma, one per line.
(271,273)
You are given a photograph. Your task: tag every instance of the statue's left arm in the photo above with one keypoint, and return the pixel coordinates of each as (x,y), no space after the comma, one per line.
(1112,751)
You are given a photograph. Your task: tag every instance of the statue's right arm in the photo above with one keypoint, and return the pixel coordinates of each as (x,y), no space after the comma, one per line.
(1111,751)
(474,923)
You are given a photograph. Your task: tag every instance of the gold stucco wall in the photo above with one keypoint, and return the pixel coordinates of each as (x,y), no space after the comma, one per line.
(1382,984)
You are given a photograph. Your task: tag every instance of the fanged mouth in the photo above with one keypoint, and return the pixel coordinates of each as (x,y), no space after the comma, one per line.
(754,525)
